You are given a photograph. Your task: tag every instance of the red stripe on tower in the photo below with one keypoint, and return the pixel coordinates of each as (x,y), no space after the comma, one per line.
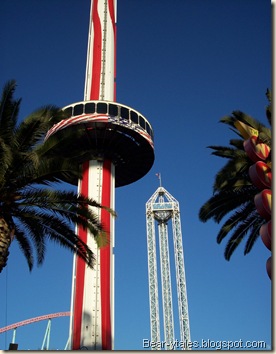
(80,270)
(105,260)
(97,53)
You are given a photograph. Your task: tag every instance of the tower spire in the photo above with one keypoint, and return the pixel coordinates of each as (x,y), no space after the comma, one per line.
(159,177)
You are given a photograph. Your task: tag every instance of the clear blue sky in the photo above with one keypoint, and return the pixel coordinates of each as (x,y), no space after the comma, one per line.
(183,64)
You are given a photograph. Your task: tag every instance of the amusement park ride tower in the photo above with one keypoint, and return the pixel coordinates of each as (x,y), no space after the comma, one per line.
(162,208)
(120,140)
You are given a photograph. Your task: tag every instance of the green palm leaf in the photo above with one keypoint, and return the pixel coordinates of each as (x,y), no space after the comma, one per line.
(30,172)
(235,219)
(233,190)
(224,202)
(249,225)
(9,109)
(234,174)
(24,243)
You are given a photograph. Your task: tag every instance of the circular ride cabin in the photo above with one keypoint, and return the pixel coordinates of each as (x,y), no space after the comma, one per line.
(106,130)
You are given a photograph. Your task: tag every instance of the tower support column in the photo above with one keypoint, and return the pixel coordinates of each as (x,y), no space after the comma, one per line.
(92,308)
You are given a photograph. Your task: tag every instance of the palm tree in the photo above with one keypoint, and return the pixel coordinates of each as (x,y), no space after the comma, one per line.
(31,209)
(233,191)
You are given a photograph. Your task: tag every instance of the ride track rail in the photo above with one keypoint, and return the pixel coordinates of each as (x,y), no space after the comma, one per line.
(34,319)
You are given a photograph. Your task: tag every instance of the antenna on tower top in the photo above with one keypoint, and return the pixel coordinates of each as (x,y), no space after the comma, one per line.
(159,177)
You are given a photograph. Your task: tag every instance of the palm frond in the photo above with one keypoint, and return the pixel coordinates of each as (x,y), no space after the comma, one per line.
(235,220)
(6,159)
(227,152)
(32,229)
(264,132)
(224,202)
(247,119)
(255,233)
(32,130)
(233,191)
(30,168)
(55,229)
(232,174)
(45,171)
(9,108)
(248,225)
(237,143)
(25,246)
(68,199)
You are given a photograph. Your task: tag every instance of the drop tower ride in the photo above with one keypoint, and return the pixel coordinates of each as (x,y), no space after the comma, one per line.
(120,141)
(162,208)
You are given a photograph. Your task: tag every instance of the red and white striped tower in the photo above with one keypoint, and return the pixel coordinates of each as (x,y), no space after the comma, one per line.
(120,141)
(93,290)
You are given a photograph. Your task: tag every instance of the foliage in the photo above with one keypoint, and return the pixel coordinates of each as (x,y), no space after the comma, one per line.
(233,191)
(30,207)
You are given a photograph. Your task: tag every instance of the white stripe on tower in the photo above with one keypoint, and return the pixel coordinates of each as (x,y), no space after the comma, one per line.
(106,257)
(91,333)
(93,303)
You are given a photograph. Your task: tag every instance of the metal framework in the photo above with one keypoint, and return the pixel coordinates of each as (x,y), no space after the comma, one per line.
(161,208)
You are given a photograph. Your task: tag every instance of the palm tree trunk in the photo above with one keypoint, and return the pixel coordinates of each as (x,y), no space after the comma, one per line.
(5,241)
